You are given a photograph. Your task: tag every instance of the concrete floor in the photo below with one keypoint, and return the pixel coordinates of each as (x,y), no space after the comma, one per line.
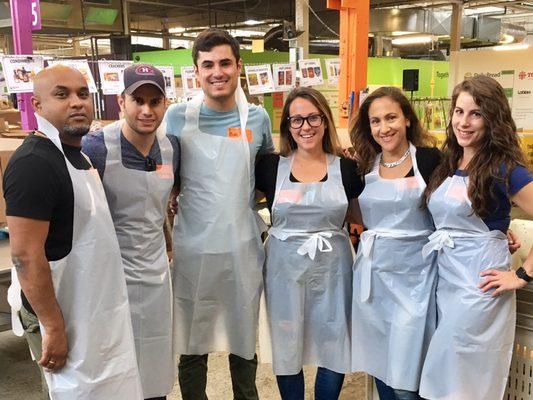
(20,379)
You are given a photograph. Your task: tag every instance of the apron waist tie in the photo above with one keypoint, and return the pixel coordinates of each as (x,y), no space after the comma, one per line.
(368,238)
(444,238)
(316,241)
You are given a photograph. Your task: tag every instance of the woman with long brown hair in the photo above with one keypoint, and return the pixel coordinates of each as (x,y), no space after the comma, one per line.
(393,314)
(470,197)
(308,271)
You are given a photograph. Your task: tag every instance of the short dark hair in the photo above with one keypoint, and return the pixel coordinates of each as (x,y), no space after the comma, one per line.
(212,37)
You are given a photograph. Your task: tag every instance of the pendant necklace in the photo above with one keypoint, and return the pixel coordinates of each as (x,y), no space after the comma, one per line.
(395,163)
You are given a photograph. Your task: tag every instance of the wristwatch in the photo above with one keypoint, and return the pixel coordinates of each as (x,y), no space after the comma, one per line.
(522,274)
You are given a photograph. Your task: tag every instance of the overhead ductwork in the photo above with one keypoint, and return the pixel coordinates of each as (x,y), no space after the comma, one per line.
(438,22)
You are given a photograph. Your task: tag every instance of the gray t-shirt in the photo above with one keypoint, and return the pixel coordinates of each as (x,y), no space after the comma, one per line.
(93,145)
(219,123)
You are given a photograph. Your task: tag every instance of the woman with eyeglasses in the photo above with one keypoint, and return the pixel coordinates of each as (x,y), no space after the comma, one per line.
(469,197)
(308,273)
(393,308)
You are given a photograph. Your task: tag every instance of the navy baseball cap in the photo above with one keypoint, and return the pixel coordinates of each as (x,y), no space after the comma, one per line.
(137,75)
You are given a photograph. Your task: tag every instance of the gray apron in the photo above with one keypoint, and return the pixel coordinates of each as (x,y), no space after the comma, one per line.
(138,203)
(393,309)
(91,290)
(470,352)
(309,273)
(218,254)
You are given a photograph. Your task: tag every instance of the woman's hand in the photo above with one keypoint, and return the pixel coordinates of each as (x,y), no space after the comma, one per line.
(501,281)
(514,242)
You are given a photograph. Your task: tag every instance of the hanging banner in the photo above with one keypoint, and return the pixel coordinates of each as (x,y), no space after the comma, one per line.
(19,72)
(170,83)
(190,84)
(259,78)
(333,67)
(284,76)
(523,98)
(311,72)
(80,65)
(112,75)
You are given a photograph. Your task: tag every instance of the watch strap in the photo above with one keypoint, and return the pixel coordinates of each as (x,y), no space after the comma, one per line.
(522,274)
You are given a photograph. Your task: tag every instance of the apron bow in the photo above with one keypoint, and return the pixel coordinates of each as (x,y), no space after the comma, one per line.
(437,241)
(316,241)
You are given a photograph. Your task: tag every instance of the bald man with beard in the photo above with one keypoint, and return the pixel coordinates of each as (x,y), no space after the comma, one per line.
(65,252)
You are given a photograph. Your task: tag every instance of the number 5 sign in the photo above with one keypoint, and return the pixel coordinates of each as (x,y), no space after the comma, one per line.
(35,15)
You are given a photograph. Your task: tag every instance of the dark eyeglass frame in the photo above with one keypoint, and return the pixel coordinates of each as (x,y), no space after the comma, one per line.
(306,119)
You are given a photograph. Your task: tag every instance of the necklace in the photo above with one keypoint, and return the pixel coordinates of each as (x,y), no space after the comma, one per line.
(394,163)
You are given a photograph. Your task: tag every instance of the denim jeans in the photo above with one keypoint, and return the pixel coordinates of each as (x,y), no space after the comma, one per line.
(328,385)
(192,374)
(388,393)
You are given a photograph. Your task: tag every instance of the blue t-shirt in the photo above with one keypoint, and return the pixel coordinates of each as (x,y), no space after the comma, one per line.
(500,215)
(219,122)
(93,145)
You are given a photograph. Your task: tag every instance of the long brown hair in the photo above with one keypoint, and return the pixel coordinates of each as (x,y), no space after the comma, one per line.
(330,141)
(499,146)
(364,144)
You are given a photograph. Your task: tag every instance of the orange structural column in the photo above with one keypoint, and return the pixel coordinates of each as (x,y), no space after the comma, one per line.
(353,52)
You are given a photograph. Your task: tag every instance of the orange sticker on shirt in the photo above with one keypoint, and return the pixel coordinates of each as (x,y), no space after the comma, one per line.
(289,196)
(164,171)
(235,133)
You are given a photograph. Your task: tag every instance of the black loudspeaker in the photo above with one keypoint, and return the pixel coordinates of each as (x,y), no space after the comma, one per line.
(410,80)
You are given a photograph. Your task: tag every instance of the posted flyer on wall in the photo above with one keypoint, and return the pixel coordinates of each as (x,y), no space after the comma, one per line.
(284,76)
(333,69)
(189,82)
(259,78)
(311,72)
(112,75)
(170,83)
(80,65)
(19,72)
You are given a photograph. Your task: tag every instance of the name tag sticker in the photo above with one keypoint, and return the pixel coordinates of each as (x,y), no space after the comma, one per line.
(164,171)
(407,183)
(235,133)
(289,196)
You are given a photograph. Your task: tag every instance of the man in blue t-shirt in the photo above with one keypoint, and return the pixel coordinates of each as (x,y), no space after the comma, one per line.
(218,256)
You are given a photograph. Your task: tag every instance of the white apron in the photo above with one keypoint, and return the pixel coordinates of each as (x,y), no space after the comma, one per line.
(218,255)
(393,309)
(138,203)
(470,352)
(90,289)
(308,273)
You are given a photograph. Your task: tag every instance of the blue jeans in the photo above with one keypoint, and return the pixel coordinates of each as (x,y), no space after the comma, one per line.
(328,385)
(388,393)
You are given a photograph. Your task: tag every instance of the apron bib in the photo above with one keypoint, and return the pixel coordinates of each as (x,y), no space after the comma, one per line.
(470,352)
(218,254)
(308,273)
(393,305)
(90,288)
(138,203)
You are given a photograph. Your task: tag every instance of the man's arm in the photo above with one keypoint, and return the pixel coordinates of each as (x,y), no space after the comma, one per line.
(27,239)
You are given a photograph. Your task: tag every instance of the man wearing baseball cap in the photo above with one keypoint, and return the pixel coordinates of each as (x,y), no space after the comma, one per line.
(138,164)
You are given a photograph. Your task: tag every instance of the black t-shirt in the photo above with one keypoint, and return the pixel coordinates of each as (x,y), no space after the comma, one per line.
(266,171)
(37,185)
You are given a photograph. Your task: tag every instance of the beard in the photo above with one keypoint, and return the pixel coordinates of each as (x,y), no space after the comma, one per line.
(76,131)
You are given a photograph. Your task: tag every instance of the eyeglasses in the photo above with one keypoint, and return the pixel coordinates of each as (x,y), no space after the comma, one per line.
(314,120)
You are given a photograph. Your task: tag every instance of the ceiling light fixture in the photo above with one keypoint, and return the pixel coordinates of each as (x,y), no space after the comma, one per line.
(505,47)
(406,40)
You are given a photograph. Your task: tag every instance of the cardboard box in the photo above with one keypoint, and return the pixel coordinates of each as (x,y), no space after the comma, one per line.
(7,148)
(12,116)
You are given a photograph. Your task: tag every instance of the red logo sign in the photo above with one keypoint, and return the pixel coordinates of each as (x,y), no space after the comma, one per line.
(144,70)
